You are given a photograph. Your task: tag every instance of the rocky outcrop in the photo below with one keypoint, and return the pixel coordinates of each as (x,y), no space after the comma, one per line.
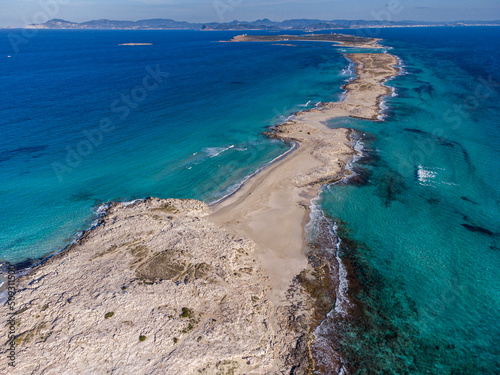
(154,289)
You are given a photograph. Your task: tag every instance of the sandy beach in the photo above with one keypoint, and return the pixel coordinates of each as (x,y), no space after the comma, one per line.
(272,208)
(174,286)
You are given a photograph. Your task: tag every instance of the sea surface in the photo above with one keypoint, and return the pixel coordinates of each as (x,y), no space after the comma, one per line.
(84,121)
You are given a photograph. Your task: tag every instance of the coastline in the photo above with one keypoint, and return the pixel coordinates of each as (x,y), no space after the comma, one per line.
(272,206)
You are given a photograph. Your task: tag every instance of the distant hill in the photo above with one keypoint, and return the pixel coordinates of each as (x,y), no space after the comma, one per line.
(264,24)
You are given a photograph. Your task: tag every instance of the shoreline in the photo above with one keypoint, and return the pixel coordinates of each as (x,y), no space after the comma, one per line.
(251,175)
(272,206)
(29,264)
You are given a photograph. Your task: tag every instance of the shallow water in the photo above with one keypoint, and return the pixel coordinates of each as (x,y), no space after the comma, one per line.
(197,134)
(423,231)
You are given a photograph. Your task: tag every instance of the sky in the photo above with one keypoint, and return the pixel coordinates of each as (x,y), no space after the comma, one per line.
(19,13)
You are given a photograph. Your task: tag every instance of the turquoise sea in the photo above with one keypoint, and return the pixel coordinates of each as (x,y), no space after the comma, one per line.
(84,121)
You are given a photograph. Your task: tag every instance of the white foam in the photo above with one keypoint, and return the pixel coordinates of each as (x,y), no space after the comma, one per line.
(425,176)
(351,76)
(102,208)
(342,301)
(132,202)
(314,215)
(349,71)
(401,67)
(428,176)
(324,353)
(359,147)
(317,216)
(394,93)
(383,108)
(215,151)
(235,187)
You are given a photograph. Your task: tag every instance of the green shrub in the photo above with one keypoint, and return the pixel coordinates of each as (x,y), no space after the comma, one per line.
(186,313)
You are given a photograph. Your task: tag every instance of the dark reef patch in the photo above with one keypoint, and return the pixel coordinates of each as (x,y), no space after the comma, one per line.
(425,88)
(360,177)
(446,143)
(468,200)
(413,70)
(322,283)
(477,229)
(369,157)
(418,131)
(26,264)
(32,151)
(433,200)
(20,266)
(376,334)
(389,186)
(81,196)
(401,111)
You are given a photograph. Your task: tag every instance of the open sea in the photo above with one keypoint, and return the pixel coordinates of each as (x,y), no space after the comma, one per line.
(84,121)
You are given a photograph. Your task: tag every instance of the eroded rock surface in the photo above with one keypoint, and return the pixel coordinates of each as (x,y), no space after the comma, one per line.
(154,289)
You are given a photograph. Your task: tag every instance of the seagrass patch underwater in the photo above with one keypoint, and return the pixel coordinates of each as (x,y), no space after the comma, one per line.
(421,236)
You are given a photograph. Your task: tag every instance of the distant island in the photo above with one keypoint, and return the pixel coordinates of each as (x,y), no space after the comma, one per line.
(136,44)
(263,24)
(341,39)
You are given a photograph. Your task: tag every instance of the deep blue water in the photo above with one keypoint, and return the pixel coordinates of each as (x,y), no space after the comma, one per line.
(422,233)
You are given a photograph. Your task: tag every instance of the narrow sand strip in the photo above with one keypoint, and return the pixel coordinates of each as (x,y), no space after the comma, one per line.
(157,288)
(272,208)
